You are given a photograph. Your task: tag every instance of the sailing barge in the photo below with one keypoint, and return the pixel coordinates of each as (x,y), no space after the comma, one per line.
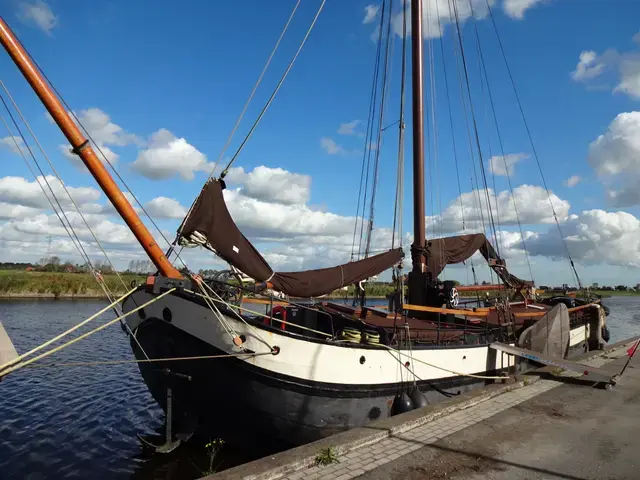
(297,372)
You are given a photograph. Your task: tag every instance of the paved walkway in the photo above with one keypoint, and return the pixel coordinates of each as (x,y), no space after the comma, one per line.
(504,437)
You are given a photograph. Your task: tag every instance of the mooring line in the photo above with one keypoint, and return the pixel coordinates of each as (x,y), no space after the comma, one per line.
(6,371)
(65,333)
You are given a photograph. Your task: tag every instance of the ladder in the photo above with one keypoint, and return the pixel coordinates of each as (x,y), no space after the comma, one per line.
(592,374)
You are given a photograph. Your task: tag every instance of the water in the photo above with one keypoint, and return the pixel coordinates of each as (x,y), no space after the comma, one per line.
(81,422)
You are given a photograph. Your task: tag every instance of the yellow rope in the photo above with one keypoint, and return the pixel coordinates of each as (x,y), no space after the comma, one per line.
(146,360)
(66,332)
(85,335)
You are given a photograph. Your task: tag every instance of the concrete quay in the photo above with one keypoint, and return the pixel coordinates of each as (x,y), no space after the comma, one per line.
(536,427)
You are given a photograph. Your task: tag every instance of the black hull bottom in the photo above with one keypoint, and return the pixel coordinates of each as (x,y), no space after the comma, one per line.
(240,403)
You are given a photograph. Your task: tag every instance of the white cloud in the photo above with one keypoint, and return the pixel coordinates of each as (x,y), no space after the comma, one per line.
(167,156)
(531,201)
(573,180)
(437,14)
(272,184)
(163,207)
(588,67)
(39,13)
(370,12)
(104,133)
(103,130)
(623,69)
(593,237)
(505,165)
(331,147)
(618,150)
(636,38)
(13,143)
(615,157)
(349,128)
(20,191)
(516,8)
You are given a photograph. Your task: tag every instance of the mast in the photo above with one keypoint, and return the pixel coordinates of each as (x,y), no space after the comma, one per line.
(83,149)
(417,277)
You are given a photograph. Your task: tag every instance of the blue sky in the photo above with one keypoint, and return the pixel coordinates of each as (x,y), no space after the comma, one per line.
(169,79)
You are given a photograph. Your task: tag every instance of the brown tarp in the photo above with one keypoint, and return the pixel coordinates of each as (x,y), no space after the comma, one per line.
(451,250)
(211,219)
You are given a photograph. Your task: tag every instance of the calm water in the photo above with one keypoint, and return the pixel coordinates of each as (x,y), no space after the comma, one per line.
(81,422)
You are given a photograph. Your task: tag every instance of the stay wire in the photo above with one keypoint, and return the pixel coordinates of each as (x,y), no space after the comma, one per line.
(369,138)
(372,103)
(533,148)
(383,100)
(502,151)
(273,95)
(73,202)
(475,126)
(398,205)
(253,92)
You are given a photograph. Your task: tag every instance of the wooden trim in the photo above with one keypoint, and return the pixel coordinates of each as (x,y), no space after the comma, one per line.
(469,313)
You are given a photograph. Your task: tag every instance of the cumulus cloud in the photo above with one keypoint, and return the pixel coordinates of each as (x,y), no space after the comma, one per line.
(621,69)
(588,67)
(272,184)
(168,156)
(13,143)
(573,180)
(505,165)
(331,147)
(532,203)
(349,128)
(517,8)
(163,207)
(103,131)
(39,14)
(370,13)
(593,237)
(615,157)
(437,14)
(20,191)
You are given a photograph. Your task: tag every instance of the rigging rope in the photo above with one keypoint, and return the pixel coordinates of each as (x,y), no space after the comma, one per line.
(368,139)
(13,368)
(533,148)
(57,175)
(399,202)
(475,127)
(383,99)
(253,92)
(266,106)
(502,151)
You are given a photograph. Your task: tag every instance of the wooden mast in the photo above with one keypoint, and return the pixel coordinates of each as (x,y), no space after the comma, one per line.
(417,276)
(83,149)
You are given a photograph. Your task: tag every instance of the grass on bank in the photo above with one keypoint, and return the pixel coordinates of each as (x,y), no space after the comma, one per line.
(16,283)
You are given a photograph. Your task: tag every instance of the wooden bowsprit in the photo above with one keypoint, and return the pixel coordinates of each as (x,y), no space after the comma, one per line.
(590,374)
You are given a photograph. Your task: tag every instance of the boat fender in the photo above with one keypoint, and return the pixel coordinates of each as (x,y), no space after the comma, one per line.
(417,398)
(275,311)
(606,335)
(401,404)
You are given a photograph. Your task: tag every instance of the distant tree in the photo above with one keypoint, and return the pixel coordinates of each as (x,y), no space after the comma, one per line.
(544,287)
(621,288)
(595,285)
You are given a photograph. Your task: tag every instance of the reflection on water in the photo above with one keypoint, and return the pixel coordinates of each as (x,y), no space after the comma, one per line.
(79,422)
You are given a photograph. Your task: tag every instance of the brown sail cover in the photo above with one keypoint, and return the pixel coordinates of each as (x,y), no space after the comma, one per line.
(211,219)
(450,250)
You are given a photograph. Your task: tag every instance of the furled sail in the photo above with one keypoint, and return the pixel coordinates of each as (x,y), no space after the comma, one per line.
(210,224)
(451,250)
